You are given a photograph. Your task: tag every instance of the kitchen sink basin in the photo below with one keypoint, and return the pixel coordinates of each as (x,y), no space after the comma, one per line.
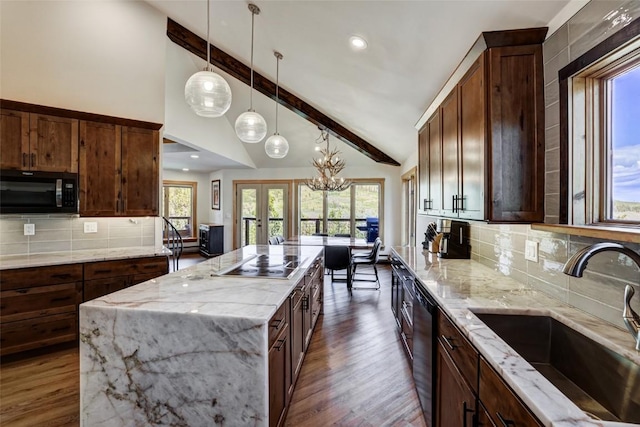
(599,381)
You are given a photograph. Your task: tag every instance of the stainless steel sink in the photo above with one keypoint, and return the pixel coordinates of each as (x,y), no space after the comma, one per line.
(599,381)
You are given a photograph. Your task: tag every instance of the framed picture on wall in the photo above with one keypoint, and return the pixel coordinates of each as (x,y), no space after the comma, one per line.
(215,194)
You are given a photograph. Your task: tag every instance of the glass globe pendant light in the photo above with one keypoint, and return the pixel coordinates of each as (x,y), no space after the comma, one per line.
(277,145)
(206,92)
(251,126)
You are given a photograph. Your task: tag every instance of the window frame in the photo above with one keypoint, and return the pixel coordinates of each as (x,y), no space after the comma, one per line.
(194,204)
(357,181)
(584,112)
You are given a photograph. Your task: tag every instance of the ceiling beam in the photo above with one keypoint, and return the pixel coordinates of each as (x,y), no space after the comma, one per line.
(198,46)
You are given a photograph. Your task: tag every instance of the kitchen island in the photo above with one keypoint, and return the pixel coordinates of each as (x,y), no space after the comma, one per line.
(192,347)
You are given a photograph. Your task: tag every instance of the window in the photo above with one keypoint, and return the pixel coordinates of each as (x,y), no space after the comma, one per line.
(340,212)
(179,206)
(602,147)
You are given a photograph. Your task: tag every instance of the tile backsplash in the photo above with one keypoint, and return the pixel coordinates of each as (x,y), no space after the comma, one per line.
(66,234)
(599,292)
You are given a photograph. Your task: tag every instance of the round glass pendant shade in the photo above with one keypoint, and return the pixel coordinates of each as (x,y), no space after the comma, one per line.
(276,146)
(251,127)
(208,94)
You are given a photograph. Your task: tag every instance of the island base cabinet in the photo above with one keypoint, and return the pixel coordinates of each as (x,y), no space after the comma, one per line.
(297,334)
(279,366)
(38,332)
(456,403)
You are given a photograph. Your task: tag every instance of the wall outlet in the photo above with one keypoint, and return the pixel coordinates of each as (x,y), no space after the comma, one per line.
(531,251)
(90,227)
(29,229)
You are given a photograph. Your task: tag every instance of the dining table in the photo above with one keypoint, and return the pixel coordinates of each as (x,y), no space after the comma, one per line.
(352,242)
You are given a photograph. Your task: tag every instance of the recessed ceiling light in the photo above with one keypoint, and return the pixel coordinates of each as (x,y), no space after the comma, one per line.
(185,169)
(357,43)
(194,156)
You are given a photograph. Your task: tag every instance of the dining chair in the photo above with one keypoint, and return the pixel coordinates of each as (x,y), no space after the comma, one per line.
(338,258)
(273,240)
(367,259)
(342,235)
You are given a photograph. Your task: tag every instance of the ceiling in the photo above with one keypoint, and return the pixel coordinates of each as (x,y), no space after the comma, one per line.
(378,93)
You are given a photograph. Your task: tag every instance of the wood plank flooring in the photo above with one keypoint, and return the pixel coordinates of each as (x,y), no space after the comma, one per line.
(354,375)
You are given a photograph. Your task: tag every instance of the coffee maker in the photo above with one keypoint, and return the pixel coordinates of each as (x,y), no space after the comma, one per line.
(454,243)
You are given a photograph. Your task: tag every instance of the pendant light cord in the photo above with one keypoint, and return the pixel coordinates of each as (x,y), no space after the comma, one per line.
(208,68)
(253,15)
(278,56)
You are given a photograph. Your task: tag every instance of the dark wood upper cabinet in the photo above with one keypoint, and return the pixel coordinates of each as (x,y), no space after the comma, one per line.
(38,142)
(435,164)
(492,130)
(118,170)
(423,167)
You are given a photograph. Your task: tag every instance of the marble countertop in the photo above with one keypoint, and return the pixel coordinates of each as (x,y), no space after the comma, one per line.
(202,290)
(56,258)
(462,287)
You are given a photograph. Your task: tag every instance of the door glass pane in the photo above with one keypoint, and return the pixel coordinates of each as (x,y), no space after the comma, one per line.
(248,219)
(276,212)
(339,212)
(367,199)
(624,185)
(179,202)
(310,211)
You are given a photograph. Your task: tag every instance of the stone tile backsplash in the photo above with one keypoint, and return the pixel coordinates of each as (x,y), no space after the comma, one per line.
(66,234)
(599,292)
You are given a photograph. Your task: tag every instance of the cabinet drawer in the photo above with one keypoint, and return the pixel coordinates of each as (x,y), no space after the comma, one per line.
(278,322)
(40,276)
(503,407)
(104,269)
(460,350)
(100,287)
(36,333)
(21,304)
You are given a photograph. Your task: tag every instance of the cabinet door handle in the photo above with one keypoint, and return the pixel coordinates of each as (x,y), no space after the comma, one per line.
(465,411)
(448,342)
(505,422)
(305,303)
(33,159)
(24,160)
(279,344)
(454,202)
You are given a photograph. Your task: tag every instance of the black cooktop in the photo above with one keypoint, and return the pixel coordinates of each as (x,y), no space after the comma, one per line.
(269,266)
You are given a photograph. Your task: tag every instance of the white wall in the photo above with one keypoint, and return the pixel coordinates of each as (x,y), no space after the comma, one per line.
(104,57)
(212,134)
(392,194)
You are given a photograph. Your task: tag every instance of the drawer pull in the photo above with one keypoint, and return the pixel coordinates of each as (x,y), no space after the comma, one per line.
(62,276)
(505,422)
(279,344)
(60,299)
(277,324)
(22,291)
(465,411)
(448,342)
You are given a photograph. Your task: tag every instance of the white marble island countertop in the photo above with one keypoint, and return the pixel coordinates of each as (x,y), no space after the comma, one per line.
(462,287)
(188,348)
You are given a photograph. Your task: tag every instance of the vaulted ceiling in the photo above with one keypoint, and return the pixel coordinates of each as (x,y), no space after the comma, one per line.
(378,93)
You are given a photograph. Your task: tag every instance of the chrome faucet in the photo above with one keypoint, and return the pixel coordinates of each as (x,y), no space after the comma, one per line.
(578,262)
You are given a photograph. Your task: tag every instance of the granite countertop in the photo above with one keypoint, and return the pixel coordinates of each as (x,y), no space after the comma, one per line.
(462,287)
(92,255)
(202,290)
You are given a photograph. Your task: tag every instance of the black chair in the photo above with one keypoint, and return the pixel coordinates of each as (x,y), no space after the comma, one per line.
(339,258)
(368,259)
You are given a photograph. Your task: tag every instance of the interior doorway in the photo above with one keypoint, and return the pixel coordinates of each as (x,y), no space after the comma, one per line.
(261,210)
(409,208)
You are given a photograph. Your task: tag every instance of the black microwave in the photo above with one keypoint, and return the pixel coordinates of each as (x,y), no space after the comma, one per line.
(38,192)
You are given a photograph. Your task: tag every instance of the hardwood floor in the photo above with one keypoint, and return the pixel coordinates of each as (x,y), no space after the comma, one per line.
(355,373)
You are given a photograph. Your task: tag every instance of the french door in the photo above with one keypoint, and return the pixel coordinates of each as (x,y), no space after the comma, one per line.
(262,211)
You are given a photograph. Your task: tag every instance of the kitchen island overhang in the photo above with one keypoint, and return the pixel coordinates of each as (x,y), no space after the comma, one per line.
(189,348)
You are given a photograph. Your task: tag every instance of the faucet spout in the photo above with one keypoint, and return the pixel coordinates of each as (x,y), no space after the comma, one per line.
(576,265)
(630,317)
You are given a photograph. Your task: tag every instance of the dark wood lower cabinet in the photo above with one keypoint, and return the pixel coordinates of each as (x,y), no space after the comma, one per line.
(456,403)
(279,377)
(39,305)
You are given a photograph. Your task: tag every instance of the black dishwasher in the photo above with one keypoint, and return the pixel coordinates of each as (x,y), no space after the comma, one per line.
(424,361)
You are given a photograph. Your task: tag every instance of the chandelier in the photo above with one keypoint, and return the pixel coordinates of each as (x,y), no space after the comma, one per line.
(329,166)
